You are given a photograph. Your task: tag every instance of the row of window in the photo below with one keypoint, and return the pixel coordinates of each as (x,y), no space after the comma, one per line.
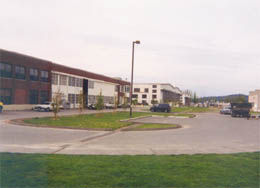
(6,71)
(146,90)
(125,88)
(34,96)
(60,79)
(144,96)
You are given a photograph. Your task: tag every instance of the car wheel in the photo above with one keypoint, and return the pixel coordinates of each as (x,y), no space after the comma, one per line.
(47,109)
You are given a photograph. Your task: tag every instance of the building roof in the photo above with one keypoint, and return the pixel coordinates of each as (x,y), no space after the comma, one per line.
(61,68)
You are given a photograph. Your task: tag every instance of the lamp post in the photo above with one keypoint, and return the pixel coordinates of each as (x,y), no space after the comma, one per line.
(132,74)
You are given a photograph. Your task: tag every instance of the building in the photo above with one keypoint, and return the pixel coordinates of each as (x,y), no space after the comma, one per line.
(186,98)
(26,80)
(151,93)
(254,98)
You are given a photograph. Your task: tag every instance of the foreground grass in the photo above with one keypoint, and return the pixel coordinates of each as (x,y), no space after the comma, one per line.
(211,170)
(154,126)
(109,120)
(187,109)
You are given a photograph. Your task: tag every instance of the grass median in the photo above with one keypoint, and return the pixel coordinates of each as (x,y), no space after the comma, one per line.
(154,126)
(108,121)
(53,171)
(189,109)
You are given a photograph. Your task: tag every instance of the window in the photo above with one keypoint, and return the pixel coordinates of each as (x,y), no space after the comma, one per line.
(44,76)
(91,84)
(134,96)
(72,98)
(72,81)
(54,79)
(137,90)
(20,72)
(6,95)
(34,74)
(144,96)
(127,89)
(154,96)
(33,96)
(81,82)
(154,86)
(78,82)
(5,70)
(77,98)
(154,91)
(116,88)
(63,80)
(44,96)
(146,90)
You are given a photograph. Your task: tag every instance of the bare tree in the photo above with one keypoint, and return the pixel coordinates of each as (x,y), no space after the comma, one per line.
(56,103)
(81,101)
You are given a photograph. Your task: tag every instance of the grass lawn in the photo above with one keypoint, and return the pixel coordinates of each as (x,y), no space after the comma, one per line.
(187,109)
(109,120)
(154,126)
(55,171)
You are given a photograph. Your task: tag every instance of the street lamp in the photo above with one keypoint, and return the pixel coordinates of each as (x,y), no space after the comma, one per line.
(132,75)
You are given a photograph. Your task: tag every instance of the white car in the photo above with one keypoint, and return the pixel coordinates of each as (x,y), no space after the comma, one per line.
(226,110)
(46,106)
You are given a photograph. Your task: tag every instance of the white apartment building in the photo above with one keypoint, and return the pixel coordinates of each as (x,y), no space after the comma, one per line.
(71,86)
(149,93)
(254,98)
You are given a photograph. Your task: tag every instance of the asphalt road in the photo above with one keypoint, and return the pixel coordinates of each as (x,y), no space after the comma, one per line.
(207,133)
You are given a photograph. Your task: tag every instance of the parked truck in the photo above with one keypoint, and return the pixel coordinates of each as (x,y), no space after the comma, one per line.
(240,109)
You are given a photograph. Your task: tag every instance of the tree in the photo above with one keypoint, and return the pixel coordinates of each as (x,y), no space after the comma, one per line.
(195,99)
(56,102)
(116,102)
(100,101)
(81,101)
(154,102)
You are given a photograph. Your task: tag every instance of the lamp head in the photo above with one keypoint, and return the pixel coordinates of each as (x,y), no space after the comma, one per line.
(137,42)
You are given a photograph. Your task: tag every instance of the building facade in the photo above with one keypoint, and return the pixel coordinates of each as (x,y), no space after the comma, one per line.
(26,80)
(152,93)
(254,98)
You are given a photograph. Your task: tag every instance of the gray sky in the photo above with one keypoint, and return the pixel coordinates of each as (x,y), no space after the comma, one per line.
(208,46)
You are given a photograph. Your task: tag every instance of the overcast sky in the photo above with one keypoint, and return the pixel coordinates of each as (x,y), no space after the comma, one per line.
(211,47)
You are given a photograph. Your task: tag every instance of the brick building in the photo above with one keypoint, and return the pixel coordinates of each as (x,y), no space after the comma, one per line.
(26,80)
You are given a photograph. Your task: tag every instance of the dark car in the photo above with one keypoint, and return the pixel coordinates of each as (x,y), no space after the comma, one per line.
(160,108)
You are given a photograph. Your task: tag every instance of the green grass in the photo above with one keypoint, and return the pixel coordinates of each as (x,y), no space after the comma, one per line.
(186,109)
(56,171)
(255,113)
(154,126)
(109,120)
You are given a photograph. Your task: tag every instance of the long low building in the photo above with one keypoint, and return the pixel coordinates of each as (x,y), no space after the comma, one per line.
(150,93)
(26,80)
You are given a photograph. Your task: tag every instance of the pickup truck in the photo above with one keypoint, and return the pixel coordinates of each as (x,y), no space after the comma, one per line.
(241,109)
(46,106)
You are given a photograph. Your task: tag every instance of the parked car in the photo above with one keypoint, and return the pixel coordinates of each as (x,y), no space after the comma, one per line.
(226,110)
(91,107)
(46,106)
(109,106)
(160,108)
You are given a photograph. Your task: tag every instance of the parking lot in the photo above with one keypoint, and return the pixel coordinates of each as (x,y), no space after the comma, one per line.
(207,133)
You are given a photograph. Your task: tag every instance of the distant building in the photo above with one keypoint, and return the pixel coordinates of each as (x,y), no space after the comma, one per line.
(254,98)
(149,93)
(186,98)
